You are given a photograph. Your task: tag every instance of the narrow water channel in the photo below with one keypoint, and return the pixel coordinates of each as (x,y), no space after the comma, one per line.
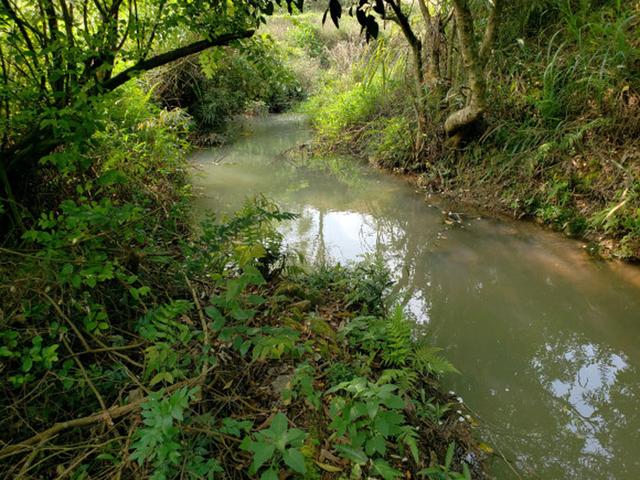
(547,339)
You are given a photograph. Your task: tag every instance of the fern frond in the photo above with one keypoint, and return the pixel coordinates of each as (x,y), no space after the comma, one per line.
(403,377)
(426,360)
(409,437)
(399,344)
(161,324)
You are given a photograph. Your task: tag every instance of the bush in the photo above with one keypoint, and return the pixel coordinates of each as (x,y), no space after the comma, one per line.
(225,81)
(342,108)
(391,140)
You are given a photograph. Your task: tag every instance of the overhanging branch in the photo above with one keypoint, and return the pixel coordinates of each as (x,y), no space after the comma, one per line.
(168,57)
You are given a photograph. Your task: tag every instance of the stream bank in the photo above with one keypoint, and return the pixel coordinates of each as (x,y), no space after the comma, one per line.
(546,337)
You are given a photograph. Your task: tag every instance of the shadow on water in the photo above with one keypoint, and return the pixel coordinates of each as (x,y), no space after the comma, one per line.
(548,339)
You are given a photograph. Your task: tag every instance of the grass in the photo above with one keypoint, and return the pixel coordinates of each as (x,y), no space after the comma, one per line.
(561,143)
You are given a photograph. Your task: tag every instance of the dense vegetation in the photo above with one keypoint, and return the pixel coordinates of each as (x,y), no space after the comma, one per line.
(535,112)
(135,344)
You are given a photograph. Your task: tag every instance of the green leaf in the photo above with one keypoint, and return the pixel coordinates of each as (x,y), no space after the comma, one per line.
(449,458)
(413,447)
(294,459)
(376,444)
(356,455)
(105,456)
(388,423)
(295,437)
(111,177)
(279,424)
(372,408)
(235,427)
(270,474)
(27,363)
(386,470)
(262,452)
(256,299)
(159,377)
(5,352)
(394,402)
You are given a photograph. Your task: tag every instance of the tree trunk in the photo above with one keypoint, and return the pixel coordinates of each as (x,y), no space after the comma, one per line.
(432,23)
(460,124)
(418,68)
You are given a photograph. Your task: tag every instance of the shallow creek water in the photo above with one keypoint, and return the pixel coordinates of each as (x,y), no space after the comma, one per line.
(547,339)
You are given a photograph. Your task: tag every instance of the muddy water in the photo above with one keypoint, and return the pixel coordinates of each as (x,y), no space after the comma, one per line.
(547,339)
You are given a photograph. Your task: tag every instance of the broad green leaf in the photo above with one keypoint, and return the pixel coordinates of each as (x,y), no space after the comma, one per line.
(295,437)
(372,408)
(269,474)
(393,401)
(376,444)
(387,423)
(294,459)
(262,452)
(279,424)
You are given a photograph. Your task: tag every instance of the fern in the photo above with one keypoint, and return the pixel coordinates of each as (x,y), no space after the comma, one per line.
(409,438)
(427,361)
(160,324)
(405,378)
(399,345)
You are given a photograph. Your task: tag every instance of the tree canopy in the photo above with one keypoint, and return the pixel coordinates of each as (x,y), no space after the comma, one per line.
(56,55)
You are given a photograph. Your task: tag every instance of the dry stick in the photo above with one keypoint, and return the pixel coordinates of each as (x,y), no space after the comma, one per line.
(29,460)
(205,330)
(66,319)
(113,351)
(61,450)
(75,463)
(107,417)
(495,445)
(108,349)
(114,412)
(125,449)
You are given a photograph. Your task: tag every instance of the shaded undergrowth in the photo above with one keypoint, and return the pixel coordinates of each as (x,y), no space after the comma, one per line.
(134,346)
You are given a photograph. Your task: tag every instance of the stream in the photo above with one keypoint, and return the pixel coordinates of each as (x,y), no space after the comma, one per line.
(547,338)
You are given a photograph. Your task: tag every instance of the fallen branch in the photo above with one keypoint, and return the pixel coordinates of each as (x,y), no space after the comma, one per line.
(113,412)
